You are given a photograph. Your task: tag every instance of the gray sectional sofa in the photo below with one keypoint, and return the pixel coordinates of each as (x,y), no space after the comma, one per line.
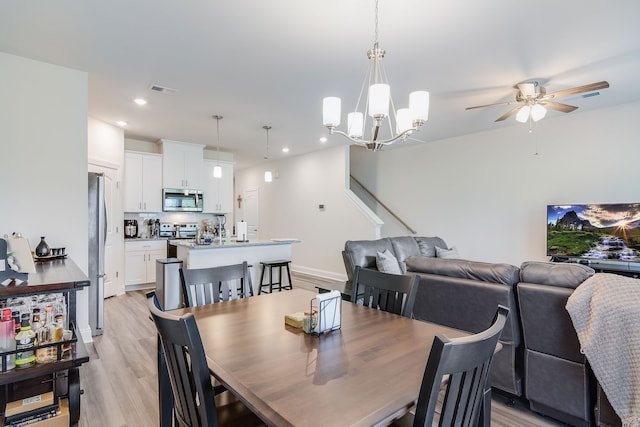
(540,359)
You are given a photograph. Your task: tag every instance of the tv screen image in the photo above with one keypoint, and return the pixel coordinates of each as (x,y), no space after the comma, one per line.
(594,231)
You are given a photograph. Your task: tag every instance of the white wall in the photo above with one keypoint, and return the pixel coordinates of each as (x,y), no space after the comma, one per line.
(288,207)
(487,193)
(43,165)
(106,143)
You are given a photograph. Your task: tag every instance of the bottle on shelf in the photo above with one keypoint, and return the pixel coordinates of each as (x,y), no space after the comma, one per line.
(7,339)
(43,336)
(25,341)
(15,315)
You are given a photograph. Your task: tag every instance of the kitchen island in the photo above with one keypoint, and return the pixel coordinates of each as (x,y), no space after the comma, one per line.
(229,253)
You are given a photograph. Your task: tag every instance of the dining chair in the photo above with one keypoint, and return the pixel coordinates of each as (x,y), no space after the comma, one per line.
(458,368)
(388,292)
(195,403)
(213,284)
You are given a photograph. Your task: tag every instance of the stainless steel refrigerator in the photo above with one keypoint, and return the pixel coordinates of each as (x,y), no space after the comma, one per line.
(97,237)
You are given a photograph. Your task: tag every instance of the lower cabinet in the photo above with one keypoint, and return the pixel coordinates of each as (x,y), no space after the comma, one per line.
(140,260)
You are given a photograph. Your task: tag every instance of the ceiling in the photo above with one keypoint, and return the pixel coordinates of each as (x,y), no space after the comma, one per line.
(258,62)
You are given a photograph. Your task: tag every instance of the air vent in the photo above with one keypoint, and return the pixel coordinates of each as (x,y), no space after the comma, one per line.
(162,89)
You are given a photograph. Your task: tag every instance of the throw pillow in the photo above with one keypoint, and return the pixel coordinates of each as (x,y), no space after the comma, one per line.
(387,263)
(451,253)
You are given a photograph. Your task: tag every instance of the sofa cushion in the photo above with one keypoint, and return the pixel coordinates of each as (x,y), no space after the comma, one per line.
(451,253)
(566,275)
(404,247)
(428,245)
(363,252)
(387,263)
(505,274)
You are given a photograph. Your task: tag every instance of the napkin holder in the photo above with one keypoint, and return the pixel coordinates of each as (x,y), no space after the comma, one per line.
(328,312)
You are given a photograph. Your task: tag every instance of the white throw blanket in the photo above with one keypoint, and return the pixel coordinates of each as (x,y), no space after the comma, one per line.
(605,310)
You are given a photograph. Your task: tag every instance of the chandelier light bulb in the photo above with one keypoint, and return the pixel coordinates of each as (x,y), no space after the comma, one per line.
(419,105)
(379,96)
(331,111)
(355,124)
(217,171)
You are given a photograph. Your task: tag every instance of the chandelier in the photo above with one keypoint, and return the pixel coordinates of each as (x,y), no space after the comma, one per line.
(378,101)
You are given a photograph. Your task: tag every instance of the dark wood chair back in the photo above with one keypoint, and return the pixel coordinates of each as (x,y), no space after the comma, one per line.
(466,362)
(193,394)
(389,292)
(211,285)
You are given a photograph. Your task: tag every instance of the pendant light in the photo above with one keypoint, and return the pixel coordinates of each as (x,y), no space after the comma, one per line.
(268,176)
(217,169)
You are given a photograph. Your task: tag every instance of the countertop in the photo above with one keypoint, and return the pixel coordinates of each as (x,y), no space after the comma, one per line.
(234,244)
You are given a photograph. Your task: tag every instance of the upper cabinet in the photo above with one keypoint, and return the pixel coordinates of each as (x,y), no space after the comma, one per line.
(142,182)
(182,165)
(218,192)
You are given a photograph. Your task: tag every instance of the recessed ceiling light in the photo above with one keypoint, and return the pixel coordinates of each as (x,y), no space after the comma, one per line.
(121,123)
(323,139)
(285,149)
(140,101)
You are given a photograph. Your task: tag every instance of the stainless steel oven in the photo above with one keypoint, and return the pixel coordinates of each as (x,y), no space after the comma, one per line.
(178,200)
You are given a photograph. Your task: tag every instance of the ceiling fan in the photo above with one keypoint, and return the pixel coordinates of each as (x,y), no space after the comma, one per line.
(534,100)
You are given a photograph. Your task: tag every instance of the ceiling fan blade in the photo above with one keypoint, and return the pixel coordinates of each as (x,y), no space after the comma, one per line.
(565,108)
(509,113)
(490,105)
(579,89)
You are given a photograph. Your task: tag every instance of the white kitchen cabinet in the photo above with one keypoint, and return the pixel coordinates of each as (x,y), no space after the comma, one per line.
(142,182)
(140,260)
(182,165)
(218,192)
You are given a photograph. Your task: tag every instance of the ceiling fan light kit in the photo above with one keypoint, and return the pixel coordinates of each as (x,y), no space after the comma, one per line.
(377,105)
(534,101)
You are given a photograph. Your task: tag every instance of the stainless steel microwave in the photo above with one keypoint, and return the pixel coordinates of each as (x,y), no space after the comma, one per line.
(178,200)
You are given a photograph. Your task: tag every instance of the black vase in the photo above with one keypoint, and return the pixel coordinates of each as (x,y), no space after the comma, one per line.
(42,249)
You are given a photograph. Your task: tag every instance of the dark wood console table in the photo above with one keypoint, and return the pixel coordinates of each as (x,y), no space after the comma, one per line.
(52,276)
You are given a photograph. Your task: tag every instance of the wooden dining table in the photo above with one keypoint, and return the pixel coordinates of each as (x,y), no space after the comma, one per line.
(363,374)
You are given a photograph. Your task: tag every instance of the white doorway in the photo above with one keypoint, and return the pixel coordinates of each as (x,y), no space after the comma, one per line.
(251,214)
(114,245)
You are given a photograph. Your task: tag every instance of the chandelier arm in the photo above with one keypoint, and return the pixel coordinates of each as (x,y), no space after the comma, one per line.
(360,141)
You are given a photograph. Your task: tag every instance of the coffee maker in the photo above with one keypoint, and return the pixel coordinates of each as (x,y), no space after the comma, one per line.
(130,228)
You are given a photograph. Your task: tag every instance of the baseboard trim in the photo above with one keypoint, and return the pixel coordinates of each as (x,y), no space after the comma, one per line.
(319,273)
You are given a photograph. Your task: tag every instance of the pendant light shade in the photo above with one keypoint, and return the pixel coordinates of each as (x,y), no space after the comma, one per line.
(268,176)
(217,169)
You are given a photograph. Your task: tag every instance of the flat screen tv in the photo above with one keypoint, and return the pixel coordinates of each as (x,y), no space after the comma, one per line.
(594,231)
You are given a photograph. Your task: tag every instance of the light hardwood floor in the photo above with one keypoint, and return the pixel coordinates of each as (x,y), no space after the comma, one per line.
(119,382)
